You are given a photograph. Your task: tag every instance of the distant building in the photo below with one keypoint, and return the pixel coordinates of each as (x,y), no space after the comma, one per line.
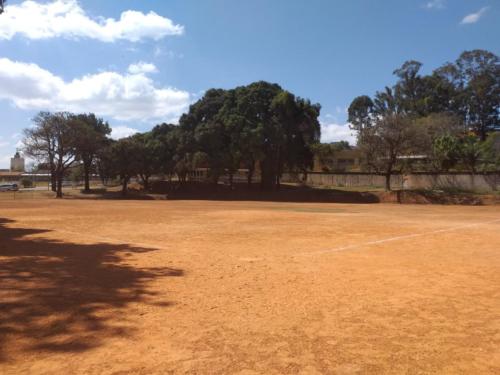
(341,161)
(17,163)
(10,177)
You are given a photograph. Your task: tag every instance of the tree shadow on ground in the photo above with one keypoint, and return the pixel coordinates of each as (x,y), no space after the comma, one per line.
(67,297)
(286,193)
(239,192)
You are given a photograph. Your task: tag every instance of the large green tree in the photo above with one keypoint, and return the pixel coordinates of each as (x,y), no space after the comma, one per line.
(148,156)
(259,123)
(479,75)
(92,136)
(199,139)
(361,113)
(123,161)
(408,91)
(169,147)
(301,131)
(281,128)
(104,162)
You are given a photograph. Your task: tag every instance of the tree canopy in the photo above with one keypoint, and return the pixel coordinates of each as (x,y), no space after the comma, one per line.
(448,117)
(256,124)
(445,116)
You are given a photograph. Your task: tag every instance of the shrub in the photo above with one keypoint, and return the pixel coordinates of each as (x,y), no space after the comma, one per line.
(26,182)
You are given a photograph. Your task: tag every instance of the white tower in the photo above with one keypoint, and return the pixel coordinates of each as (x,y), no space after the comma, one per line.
(17,163)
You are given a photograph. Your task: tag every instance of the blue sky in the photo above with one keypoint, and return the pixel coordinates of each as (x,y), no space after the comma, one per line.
(137,68)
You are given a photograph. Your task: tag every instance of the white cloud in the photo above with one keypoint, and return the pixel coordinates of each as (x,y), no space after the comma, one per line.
(9,142)
(5,153)
(158,51)
(142,68)
(122,97)
(332,132)
(118,132)
(435,4)
(474,17)
(3,143)
(66,18)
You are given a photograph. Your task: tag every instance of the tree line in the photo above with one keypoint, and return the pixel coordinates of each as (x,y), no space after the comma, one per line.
(256,125)
(450,117)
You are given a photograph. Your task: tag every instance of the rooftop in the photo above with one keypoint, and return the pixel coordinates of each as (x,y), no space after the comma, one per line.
(10,174)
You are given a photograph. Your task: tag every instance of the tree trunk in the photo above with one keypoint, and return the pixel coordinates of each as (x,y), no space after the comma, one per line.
(124,185)
(388,172)
(250,175)
(231,179)
(59,193)
(388,181)
(145,183)
(182,178)
(268,175)
(482,132)
(473,168)
(215,178)
(86,176)
(53,181)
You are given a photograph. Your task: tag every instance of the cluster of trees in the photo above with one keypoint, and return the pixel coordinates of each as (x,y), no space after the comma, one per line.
(259,124)
(449,116)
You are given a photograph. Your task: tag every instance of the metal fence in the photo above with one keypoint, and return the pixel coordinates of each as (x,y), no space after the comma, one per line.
(41,191)
(21,194)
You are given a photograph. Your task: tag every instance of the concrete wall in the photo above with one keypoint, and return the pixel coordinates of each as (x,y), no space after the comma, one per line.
(478,182)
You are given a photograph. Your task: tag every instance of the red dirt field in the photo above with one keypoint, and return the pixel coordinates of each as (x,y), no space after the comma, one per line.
(203,287)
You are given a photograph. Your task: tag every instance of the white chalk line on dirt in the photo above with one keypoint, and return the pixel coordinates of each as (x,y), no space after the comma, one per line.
(392,239)
(115,241)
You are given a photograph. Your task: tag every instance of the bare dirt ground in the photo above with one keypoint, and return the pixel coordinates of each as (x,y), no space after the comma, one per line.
(158,287)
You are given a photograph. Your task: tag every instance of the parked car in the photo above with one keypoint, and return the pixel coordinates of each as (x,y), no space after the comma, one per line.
(9,187)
